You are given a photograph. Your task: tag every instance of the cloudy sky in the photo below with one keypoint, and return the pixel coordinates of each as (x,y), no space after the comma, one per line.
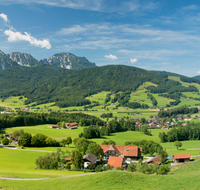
(150,34)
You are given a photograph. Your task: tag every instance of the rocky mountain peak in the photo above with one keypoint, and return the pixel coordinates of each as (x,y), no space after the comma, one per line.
(23,59)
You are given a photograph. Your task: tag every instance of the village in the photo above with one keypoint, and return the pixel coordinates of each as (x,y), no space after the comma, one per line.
(120,157)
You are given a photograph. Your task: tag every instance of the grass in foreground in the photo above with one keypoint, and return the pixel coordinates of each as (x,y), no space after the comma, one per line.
(184,177)
(21,163)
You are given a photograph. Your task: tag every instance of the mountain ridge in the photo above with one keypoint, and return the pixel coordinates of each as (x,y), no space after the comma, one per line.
(62,60)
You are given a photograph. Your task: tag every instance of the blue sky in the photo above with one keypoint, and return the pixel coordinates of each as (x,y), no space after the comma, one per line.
(149,34)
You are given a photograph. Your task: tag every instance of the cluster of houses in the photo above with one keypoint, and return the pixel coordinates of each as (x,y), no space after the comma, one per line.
(122,155)
(14,139)
(67,126)
(157,122)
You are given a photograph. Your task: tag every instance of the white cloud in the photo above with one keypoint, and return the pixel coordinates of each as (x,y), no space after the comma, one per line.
(93,5)
(198,72)
(4,17)
(191,7)
(14,36)
(17,36)
(133,60)
(113,57)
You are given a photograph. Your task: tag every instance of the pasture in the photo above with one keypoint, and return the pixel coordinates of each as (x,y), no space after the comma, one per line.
(21,163)
(184,177)
(48,131)
(120,138)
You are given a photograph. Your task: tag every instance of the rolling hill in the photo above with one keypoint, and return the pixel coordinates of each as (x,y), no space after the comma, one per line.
(51,84)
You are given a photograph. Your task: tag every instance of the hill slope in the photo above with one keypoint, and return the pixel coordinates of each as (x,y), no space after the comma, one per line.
(72,89)
(46,84)
(17,80)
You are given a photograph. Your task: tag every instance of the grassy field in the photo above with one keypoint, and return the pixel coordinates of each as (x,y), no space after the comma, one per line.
(13,102)
(47,130)
(184,177)
(21,163)
(120,138)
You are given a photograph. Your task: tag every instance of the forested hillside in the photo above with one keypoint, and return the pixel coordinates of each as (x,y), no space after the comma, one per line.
(17,80)
(50,84)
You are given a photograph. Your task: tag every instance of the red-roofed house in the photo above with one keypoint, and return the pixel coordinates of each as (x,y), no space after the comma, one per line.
(68,159)
(115,161)
(129,153)
(180,158)
(71,125)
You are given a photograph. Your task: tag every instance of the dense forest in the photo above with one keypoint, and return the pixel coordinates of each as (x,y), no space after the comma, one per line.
(19,80)
(29,118)
(176,111)
(50,84)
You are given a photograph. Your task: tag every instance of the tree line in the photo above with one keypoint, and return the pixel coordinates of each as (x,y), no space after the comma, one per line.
(28,118)
(176,111)
(189,132)
(113,126)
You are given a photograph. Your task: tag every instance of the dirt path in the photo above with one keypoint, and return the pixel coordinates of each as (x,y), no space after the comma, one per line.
(27,149)
(32,179)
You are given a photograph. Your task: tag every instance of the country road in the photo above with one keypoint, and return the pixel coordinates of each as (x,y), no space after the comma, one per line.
(34,179)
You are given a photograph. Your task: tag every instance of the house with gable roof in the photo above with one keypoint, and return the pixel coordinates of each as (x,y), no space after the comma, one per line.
(129,153)
(71,125)
(116,161)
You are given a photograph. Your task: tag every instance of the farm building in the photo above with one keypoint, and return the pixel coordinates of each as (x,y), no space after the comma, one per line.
(89,158)
(116,161)
(71,125)
(155,160)
(129,153)
(55,127)
(181,158)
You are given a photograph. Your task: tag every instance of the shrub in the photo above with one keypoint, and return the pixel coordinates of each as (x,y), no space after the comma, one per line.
(5,141)
(163,169)
(68,165)
(108,167)
(98,168)
(119,168)
(131,167)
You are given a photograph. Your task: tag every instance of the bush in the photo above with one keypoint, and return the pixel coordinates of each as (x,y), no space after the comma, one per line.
(98,168)
(163,169)
(91,166)
(5,141)
(68,165)
(119,168)
(108,167)
(131,167)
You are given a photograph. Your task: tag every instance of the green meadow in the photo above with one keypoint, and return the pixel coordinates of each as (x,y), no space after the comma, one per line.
(13,102)
(120,138)
(21,163)
(183,177)
(47,130)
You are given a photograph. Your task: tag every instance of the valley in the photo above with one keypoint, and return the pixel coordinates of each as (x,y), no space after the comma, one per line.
(126,96)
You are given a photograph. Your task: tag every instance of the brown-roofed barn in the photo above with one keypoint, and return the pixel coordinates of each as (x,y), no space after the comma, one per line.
(181,158)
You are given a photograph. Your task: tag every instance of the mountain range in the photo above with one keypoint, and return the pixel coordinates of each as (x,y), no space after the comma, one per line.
(67,79)
(62,60)
(67,87)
